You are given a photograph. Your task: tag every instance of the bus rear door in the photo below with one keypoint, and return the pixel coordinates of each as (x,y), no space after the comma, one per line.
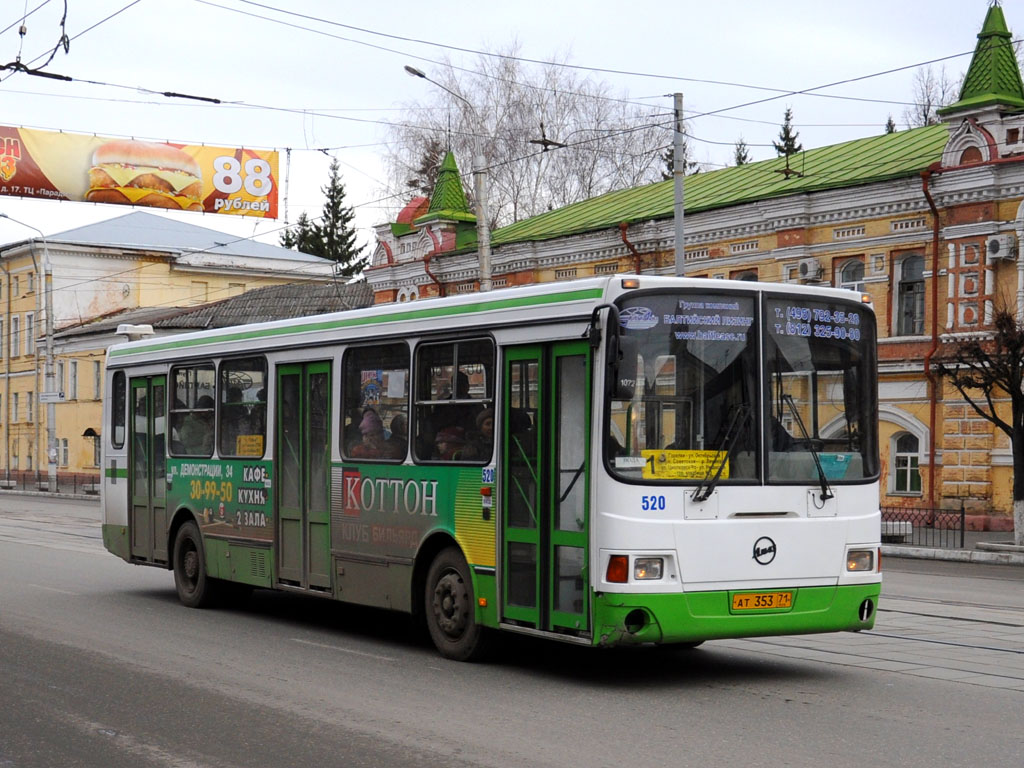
(545,491)
(148,476)
(302,463)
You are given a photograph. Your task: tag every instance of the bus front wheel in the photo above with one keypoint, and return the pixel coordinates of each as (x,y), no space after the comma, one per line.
(195,589)
(450,608)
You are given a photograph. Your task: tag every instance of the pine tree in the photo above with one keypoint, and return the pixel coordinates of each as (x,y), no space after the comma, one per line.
(668,158)
(741,156)
(787,144)
(335,234)
(299,236)
(890,125)
(332,236)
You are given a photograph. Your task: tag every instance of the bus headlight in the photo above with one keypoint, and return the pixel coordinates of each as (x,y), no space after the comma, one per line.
(860,560)
(645,568)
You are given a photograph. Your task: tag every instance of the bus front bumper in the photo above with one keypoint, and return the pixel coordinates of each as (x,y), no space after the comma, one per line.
(631,619)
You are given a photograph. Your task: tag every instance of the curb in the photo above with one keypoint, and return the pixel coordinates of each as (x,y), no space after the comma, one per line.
(47,495)
(955,555)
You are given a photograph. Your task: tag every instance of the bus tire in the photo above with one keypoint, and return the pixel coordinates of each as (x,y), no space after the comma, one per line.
(195,588)
(449,608)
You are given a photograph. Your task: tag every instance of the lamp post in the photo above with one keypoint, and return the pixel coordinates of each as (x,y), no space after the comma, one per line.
(49,382)
(483,231)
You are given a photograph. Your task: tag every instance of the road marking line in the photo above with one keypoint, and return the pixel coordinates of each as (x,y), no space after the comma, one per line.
(344,650)
(54,589)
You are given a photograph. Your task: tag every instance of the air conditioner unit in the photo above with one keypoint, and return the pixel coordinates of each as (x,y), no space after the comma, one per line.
(810,270)
(1001,248)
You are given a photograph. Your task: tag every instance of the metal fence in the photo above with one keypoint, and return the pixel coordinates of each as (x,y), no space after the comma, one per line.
(939,528)
(67,482)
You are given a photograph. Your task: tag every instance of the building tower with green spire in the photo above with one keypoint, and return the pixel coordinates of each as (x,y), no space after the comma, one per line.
(406,248)
(987,121)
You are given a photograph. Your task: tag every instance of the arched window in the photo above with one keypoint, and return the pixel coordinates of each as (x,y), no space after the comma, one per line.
(851,276)
(910,315)
(905,464)
(970,156)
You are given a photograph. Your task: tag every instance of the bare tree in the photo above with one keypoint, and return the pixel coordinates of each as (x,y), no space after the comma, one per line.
(931,91)
(549,136)
(985,369)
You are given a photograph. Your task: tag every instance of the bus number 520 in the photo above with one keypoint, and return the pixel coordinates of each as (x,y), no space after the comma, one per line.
(652,503)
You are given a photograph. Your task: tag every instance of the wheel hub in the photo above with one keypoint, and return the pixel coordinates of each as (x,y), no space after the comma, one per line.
(191,565)
(451,605)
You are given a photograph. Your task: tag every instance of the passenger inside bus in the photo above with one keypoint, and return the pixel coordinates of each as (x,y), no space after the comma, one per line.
(196,433)
(481,439)
(449,444)
(396,446)
(372,445)
(351,436)
(234,421)
(258,414)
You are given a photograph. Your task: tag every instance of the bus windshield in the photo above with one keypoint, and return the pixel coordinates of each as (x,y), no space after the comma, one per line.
(737,387)
(693,410)
(820,378)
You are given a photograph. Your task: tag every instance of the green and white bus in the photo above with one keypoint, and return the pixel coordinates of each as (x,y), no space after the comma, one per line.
(617,460)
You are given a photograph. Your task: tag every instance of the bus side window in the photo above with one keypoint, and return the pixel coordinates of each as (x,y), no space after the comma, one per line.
(117,410)
(243,407)
(192,410)
(375,403)
(455,401)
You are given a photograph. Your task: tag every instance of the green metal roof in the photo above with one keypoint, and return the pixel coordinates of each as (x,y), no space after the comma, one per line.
(448,200)
(852,163)
(993,76)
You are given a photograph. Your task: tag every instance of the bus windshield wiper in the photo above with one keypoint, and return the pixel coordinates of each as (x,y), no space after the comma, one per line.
(706,486)
(826,491)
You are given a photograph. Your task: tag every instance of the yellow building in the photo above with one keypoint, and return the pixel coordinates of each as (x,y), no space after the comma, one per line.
(139,260)
(927,221)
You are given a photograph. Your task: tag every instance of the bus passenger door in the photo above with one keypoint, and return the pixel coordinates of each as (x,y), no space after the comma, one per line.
(148,476)
(545,488)
(302,464)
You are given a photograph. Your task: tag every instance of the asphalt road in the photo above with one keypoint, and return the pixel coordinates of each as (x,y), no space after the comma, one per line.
(100,666)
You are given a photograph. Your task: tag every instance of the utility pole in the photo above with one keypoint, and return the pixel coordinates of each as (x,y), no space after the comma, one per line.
(678,166)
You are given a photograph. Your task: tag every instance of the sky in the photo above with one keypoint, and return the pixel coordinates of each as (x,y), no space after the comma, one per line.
(325,78)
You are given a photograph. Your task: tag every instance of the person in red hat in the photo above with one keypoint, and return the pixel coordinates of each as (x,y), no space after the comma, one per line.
(449,443)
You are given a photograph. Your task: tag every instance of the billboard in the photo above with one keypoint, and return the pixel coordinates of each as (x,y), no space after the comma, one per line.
(66,166)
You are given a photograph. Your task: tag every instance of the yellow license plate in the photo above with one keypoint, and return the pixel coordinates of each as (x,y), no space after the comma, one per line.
(760,601)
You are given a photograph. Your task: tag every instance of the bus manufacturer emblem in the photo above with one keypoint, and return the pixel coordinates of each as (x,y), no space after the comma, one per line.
(764,550)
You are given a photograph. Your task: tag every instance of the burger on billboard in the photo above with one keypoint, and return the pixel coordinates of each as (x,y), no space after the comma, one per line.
(144,173)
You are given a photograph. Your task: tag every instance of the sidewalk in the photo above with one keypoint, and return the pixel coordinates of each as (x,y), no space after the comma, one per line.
(994,548)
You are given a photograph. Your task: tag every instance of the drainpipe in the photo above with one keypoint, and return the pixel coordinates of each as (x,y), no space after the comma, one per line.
(933,378)
(37,284)
(426,268)
(623,226)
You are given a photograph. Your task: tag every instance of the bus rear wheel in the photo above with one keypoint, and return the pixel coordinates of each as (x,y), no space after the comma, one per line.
(450,608)
(195,588)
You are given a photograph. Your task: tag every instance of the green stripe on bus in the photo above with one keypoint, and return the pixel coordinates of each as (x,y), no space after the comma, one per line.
(119,472)
(416,314)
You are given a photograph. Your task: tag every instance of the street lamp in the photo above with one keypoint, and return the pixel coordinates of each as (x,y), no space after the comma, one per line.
(483,231)
(51,415)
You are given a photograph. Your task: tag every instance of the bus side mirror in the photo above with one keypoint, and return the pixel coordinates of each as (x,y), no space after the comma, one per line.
(622,352)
